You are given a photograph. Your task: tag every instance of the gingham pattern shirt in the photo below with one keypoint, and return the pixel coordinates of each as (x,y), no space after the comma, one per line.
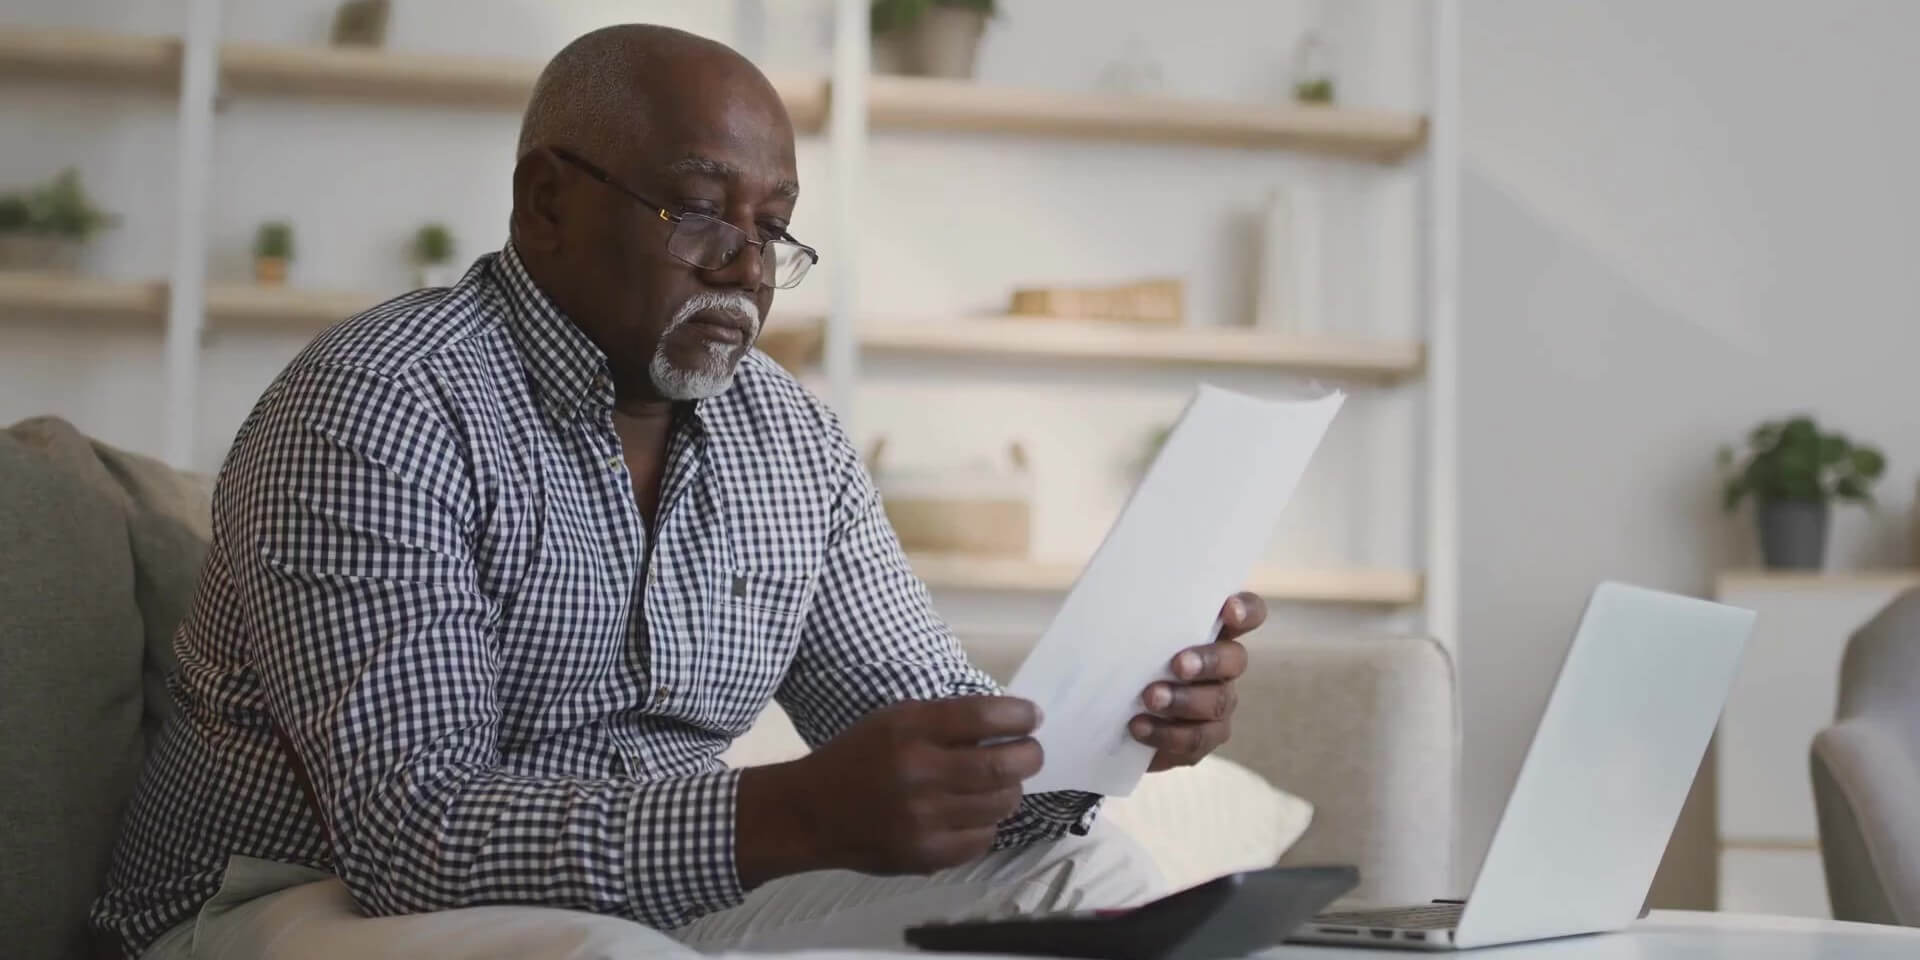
(428,573)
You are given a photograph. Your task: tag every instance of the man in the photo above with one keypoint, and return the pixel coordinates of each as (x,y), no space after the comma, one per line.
(499,570)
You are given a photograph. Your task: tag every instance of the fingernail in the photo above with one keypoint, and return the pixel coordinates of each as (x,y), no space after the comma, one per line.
(1158,697)
(1189,664)
(1140,728)
(1236,608)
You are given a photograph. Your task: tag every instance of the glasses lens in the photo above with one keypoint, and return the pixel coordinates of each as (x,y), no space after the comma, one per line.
(787,264)
(704,242)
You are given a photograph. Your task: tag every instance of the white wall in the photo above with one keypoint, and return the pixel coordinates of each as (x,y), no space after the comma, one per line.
(1679,218)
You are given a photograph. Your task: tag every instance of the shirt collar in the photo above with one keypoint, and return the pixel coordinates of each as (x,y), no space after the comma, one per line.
(566,368)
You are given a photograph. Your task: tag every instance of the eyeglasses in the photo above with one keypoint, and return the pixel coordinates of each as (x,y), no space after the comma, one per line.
(709,243)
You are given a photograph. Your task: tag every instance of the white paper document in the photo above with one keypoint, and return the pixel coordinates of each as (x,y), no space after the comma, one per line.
(1188,538)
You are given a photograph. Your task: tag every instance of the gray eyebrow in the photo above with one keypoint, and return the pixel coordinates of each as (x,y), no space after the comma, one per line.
(722,170)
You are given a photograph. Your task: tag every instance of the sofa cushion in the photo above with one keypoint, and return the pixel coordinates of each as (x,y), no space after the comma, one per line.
(71,654)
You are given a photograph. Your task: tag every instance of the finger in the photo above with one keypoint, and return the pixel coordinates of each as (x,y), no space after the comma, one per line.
(970,720)
(1224,660)
(1243,613)
(990,769)
(1192,701)
(1182,739)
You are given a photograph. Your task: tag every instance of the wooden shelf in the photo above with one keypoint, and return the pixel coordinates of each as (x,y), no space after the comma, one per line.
(318,72)
(282,308)
(90,57)
(230,307)
(78,295)
(1815,579)
(894,103)
(912,103)
(351,73)
(1387,588)
(1039,338)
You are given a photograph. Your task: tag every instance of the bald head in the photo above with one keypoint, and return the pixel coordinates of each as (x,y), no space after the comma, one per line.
(602,92)
(654,169)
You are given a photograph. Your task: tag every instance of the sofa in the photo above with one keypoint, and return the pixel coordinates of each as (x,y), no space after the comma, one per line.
(99,550)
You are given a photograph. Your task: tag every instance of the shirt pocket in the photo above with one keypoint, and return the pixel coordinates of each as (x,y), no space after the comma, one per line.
(756,628)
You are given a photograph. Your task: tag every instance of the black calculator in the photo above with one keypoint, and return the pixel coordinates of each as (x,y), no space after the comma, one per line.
(1228,916)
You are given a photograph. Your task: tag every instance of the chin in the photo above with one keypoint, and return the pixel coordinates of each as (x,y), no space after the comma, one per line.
(679,382)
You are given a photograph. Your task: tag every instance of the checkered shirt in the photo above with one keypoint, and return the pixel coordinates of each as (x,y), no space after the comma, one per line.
(428,574)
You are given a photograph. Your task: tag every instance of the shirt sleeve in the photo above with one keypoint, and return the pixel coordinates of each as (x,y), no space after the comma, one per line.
(872,638)
(349,514)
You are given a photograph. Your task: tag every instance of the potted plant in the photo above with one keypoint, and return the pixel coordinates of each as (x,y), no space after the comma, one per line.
(433,255)
(48,227)
(1313,71)
(929,38)
(272,251)
(1794,472)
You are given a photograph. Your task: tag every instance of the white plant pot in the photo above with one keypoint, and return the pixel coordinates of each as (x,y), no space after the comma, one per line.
(436,275)
(40,251)
(942,43)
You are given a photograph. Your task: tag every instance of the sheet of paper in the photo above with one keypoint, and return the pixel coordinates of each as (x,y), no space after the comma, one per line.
(1188,538)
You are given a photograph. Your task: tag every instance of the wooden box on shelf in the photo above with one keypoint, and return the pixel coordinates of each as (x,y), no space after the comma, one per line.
(1148,301)
(969,511)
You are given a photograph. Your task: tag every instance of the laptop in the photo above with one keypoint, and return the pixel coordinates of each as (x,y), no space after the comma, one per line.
(1600,789)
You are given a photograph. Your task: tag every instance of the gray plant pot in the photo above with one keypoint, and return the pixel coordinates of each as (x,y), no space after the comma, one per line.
(942,43)
(1793,533)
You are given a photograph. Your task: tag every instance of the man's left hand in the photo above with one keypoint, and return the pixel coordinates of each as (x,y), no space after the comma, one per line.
(1189,716)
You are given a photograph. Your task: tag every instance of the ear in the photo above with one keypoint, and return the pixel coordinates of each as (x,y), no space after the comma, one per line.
(537,181)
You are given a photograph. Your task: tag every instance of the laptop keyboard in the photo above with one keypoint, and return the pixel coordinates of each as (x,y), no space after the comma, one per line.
(1438,916)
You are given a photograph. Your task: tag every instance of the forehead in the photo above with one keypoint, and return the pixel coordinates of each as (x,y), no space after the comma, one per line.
(735,131)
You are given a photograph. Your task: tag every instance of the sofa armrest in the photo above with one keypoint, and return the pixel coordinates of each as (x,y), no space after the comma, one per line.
(1366,729)
(1864,787)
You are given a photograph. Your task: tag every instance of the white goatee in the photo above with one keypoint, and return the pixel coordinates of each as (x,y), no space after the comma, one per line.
(713,373)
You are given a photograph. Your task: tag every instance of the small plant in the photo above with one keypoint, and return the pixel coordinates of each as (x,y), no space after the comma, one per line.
(61,208)
(1793,460)
(433,245)
(1319,90)
(890,15)
(14,215)
(274,241)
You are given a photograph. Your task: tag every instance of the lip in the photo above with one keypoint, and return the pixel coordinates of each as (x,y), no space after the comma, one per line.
(724,327)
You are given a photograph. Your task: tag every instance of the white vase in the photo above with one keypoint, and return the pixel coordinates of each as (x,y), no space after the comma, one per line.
(943,42)
(1288,299)
(435,275)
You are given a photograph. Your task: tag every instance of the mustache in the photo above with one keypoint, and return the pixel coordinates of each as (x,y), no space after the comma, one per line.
(730,302)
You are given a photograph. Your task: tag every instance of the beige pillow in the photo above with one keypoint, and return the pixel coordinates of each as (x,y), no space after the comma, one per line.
(1197,823)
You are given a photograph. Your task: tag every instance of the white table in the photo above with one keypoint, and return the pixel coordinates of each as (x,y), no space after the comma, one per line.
(1675,935)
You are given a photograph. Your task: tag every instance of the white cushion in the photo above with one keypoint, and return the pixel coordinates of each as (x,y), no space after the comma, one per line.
(1196,822)
(1215,817)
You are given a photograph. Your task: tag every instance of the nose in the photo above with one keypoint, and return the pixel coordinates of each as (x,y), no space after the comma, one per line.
(746,269)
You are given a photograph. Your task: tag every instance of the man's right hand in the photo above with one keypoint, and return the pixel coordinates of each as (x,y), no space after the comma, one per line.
(909,788)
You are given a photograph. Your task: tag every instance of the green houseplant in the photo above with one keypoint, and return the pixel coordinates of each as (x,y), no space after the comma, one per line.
(929,38)
(1794,471)
(272,252)
(433,255)
(49,226)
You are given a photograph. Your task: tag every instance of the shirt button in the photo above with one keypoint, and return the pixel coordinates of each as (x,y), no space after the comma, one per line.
(613,463)
(663,693)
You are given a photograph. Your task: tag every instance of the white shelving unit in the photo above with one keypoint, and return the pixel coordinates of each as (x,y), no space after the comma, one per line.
(849,108)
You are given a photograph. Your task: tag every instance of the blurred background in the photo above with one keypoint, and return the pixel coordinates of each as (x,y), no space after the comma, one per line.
(1558,254)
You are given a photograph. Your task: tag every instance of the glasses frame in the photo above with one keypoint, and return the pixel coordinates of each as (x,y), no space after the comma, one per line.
(592,170)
